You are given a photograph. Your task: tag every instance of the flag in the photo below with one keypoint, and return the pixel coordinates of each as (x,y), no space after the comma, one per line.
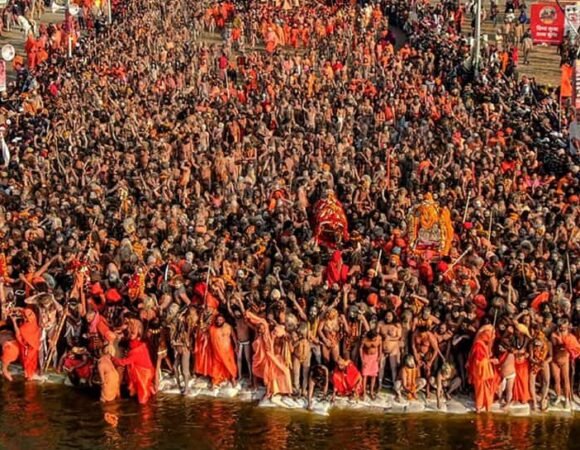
(566,81)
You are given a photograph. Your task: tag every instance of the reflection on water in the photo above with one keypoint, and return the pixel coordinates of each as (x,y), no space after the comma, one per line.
(46,417)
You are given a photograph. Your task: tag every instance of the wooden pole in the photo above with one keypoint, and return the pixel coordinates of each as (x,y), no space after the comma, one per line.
(55,338)
(207,281)
(378,262)
(388,167)
(458,259)
(466,206)
(569,273)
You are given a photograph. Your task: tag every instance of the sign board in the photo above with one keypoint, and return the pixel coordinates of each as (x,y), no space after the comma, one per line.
(547,23)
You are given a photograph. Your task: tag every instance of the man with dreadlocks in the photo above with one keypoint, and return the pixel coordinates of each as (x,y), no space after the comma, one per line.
(181,331)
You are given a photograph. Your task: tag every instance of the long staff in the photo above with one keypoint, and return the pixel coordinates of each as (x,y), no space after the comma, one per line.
(466,206)
(55,338)
(458,259)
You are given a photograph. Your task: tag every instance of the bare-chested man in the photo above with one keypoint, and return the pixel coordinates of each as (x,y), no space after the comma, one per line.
(425,351)
(392,335)
(446,382)
(318,379)
(409,382)
(243,337)
(540,359)
(444,338)
(181,335)
(329,334)
(301,356)
(371,351)
(507,371)
(9,347)
(560,364)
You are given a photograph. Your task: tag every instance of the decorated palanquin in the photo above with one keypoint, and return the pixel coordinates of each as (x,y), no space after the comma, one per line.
(331,225)
(430,229)
(136,284)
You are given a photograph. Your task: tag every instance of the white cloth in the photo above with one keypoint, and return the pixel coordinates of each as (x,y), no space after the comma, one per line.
(5,151)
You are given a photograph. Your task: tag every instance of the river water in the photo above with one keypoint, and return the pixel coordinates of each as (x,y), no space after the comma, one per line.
(53,416)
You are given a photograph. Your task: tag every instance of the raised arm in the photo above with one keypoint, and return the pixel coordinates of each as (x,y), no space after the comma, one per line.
(255,320)
(45,267)
(299,310)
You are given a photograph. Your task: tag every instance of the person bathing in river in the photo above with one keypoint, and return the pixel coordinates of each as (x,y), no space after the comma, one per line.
(446,382)
(109,376)
(140,371)
(409,383)
(28,334)
(10,348)
(318,380)
(347,380)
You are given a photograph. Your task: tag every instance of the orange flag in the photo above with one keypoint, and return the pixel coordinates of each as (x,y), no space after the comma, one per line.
(566,81)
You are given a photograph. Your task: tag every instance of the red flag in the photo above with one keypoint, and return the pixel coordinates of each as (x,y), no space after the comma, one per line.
(566,81)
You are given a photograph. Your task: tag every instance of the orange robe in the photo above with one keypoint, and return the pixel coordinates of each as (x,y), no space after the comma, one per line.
(571,344)
(223,361)
(30,47)
(99,325)
(57,38)
(140,371)
(522,382)
(280,34)
(202,352)
(271,41)
(539,300)
(29,340)
(346,382)
(480,370)
(336,272)
(266,364)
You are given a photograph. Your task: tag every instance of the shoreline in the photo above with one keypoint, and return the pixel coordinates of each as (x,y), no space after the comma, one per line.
(385,403)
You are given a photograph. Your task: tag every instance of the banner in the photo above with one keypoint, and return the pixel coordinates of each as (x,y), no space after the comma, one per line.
(572,21)
(574,129)
(547,23)
(567,72)
(577,84)
(2,75)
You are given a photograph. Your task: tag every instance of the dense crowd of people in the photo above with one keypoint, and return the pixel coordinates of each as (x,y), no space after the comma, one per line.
(294,193)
